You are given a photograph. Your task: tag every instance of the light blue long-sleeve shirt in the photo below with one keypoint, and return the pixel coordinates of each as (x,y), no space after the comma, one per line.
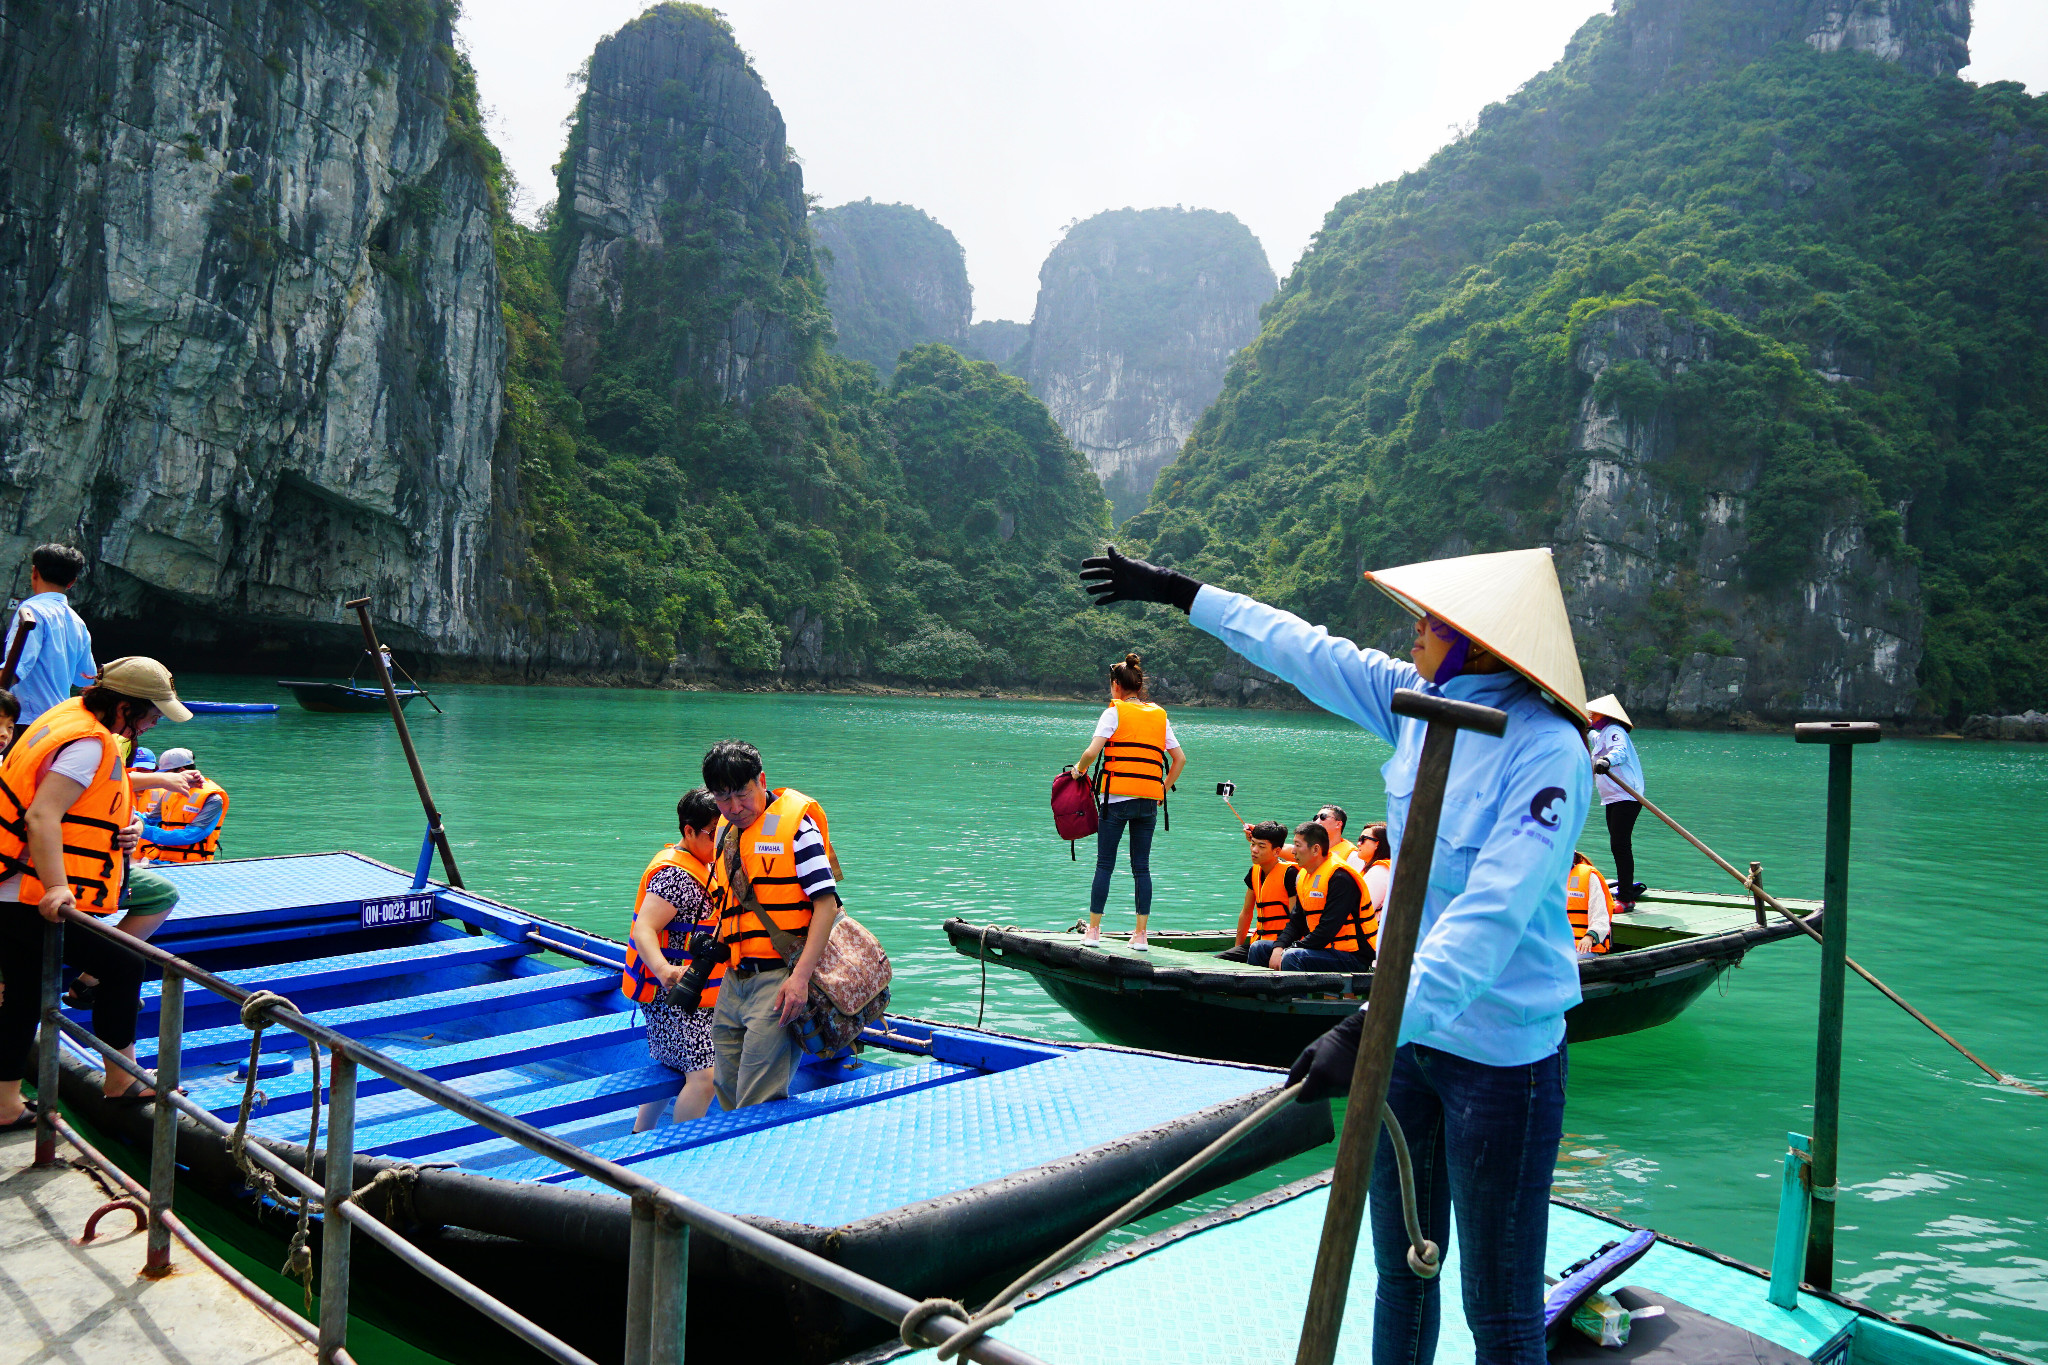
(202,827)
(56,658)
(1495,965)
(1612,742)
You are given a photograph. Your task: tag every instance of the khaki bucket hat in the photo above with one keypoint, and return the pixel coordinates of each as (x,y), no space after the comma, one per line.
(1509,603)
(1610,707)
(147,679)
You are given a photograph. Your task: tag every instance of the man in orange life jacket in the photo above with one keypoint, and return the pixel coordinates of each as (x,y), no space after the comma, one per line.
(185,824)
(1269,889)
(1331,896)
(774,862)
(1589,905)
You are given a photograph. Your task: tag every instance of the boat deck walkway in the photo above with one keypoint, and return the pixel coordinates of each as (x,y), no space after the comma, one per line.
(89,1305)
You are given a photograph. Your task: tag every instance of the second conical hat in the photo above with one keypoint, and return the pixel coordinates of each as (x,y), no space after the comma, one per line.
(1610,707)
(1510,603)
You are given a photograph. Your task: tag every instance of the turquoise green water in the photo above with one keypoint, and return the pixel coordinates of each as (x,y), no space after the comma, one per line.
(555,798)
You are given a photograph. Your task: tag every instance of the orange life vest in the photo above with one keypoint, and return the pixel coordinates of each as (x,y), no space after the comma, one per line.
(1578,895)
(146,803)
(92,859)
(766,855)
(177,810)
(1361,930)
(639,984)
(1134,758)
(1270,901)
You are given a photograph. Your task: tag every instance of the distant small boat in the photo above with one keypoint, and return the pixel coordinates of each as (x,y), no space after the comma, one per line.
(326,696)
(231,708)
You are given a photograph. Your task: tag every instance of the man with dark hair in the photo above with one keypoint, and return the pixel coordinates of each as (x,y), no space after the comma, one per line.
(1268,890)
(57,656)
(1328,930)
(774,881)
(1332,819)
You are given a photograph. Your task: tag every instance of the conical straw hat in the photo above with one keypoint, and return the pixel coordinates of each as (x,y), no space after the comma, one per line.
(1508,602)
(1610,707)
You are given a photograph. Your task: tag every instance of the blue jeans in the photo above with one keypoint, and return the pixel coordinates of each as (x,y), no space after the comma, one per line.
(1140,815)
(1324,960)
(1484,1140)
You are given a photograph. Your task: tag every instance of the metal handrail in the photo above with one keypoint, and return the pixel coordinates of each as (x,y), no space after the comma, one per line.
(661,1218)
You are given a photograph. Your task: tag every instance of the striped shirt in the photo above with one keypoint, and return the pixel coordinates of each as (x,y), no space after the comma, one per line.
(813,868)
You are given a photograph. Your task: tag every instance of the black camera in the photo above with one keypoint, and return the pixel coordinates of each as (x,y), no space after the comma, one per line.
(1226,790)
(705,952)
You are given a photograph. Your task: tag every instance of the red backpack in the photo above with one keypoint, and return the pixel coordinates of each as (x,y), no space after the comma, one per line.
(1073,809)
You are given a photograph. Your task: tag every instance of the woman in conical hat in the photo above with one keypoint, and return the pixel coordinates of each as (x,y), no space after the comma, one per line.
(1478,1081)
(1610,739)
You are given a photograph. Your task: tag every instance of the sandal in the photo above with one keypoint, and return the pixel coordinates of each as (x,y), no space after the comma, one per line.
(80,996)
(23,1123)
(133,1097)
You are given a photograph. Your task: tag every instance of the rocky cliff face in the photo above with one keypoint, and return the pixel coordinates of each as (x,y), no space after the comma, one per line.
(1138,315)
(997,341)
(679,181)
(250,355)
(894,279)
(1652,555)
(1697,37)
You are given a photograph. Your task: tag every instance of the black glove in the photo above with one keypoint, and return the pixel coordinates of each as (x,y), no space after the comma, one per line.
(1113,578)
(1600,767)
(1324,1066)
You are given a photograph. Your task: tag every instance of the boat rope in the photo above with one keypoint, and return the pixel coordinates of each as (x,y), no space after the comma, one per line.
(397,1181)
(298,1261)
(1754,886)
(1423,1255)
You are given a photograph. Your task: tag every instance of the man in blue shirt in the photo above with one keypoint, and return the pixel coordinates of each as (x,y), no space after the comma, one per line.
(1479,1079)
(58,653)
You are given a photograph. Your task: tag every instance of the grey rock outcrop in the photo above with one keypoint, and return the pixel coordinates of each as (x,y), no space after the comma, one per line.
(997,341)
(680,181)
(1646,558)
(251,354)
(1692,38)
(1138,315)
(2028,726)
(894,279)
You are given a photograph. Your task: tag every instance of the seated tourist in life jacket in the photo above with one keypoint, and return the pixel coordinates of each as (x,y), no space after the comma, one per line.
(1268,889)
(185,826)
(775,884)
(65,821)
(1590,905)
(675,929)
(1329,928)
(1332,818)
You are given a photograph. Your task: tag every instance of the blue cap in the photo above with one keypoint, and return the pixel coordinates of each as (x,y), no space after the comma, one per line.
(144,761)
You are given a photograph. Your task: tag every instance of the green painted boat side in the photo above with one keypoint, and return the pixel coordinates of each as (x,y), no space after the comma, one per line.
(340,698)
(1156,1300)
(1180,998)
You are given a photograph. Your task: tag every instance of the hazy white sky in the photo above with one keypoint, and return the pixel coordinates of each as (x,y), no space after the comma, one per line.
(1005,122)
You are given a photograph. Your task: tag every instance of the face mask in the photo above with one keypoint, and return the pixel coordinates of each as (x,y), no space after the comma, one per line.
(1454,662)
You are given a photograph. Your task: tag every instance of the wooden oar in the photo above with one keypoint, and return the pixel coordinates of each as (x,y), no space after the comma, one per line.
(25,623)
(412,758)
(1754,885)
(1403,921)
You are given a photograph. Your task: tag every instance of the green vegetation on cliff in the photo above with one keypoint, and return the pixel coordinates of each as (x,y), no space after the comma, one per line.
(896,278)
(1865,249)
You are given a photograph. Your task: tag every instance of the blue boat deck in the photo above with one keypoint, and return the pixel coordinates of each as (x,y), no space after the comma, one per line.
(470,999)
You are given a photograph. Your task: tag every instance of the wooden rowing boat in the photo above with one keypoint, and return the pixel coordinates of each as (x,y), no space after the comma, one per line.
(1181,997)
(343,697)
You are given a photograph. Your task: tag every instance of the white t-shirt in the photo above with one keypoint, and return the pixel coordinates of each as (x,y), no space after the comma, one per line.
(1106,729)
(80,761)
(1377,880)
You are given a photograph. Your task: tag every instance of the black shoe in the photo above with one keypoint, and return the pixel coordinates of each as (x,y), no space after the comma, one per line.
(81,996)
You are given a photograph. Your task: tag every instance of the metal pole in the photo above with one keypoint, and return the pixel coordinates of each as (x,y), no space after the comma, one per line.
(46,1045)
(1331,1285)
(1834,950)
(163,1148)
(640,1279)
(334,1232)
(671,1288)
(412,758)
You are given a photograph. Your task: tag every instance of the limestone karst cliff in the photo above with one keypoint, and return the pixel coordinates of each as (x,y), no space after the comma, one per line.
(678,185)
(1138,315)
(894,279)
(1720,307)
(997,340)
(250,354)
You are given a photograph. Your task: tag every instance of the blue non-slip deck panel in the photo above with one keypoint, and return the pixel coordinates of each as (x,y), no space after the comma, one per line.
(1167,1309)
(439,1129)
(320,972)
(825,1171)
(640,1147)
(258,889)
(451,1062)
(231,1041)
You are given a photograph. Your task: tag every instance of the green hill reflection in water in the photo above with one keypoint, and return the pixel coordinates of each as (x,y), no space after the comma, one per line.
(555,798)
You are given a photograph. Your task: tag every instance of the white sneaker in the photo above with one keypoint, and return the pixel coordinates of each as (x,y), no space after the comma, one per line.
(1139,945)
(1092,939)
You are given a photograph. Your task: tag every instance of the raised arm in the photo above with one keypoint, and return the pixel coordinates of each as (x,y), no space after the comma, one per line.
(1335,674)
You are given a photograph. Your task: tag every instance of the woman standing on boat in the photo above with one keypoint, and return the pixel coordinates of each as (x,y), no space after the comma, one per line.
(1611,739)
(1479,1078)
(674,904)
(1141,760)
